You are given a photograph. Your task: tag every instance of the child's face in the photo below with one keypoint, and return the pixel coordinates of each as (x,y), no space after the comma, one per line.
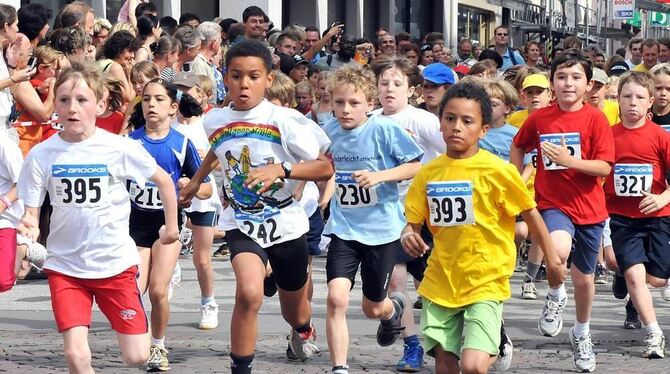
(138,85)
(350,106)
(394,90)
(247,79)
(433,93)
(612,92)
(634,102)
(500,110)
(299,73)
(570,84)
(662,90)
(77,107)
(303,98)
(157,106)
(535,98)
(314,80)
(324,93)
(462,126)
(597,94)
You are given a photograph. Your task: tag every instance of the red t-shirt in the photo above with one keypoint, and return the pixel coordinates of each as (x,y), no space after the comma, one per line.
(586,131)
(635,151)
(112,123)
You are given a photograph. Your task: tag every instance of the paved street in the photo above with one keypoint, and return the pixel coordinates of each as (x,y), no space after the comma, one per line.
(30,343)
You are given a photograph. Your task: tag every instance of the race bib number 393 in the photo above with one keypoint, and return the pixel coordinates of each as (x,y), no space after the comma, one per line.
(572,142)
(632,179)
(450,203)
(350,194)
(80,185)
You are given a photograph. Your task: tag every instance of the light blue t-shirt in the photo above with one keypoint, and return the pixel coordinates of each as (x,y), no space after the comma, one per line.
(511,58)
(499,141)
(373,216)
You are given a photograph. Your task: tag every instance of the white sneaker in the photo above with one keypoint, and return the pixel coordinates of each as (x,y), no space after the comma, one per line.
(655,346)
(209,316)
(35,253)
(176,279)
(528,291)
(665,292)
(582,350)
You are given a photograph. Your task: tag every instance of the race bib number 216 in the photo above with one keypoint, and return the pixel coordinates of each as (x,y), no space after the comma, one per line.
(80,185)
(450,203)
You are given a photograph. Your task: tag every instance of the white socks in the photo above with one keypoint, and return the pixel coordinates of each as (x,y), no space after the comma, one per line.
(581,329)
(158,342)
(558,293)
(653,328)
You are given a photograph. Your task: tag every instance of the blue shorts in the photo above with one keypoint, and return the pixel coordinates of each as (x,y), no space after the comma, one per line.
(642,241)
(586,239)
(316,226)
(206,219)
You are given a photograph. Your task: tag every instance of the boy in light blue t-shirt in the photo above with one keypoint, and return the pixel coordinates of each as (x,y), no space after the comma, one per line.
(370,155)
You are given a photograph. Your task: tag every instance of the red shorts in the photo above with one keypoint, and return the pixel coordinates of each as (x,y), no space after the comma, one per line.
(117,296)
(7,258)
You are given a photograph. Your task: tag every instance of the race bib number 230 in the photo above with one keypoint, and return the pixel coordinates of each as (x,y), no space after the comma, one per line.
(450,203)
(80,185)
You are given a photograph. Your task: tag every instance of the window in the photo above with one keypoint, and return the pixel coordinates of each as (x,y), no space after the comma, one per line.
(473,24)
(205,10)
(415,17)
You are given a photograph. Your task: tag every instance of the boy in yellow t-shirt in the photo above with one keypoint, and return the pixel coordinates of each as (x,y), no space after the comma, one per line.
(470,199)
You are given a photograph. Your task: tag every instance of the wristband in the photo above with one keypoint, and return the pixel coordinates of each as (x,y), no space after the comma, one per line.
(12,79)
(5,201)
(405,235)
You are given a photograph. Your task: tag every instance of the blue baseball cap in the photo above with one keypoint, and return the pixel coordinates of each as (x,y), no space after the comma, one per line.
(439,73)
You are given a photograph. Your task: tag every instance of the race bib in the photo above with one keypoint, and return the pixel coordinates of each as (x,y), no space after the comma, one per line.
(266,228)
(631,179)
(80,185)
(147,198)
(533,158)
(572,141)
(450,203)
(350,195)
(666,127)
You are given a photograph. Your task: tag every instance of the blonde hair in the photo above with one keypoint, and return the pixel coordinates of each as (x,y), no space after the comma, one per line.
(503,91)
(659,69)
(205,84)
(362,79)
(89,72)
(323,76)
(115,93)
(282,89)
(487,67)
(119,26)
(143,69)
(47,55)
(613,80)
(101,24)
(641,78)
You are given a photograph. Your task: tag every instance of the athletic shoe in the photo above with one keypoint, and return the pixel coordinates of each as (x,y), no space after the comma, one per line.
(541,274)
(302,343)
(269,286)
(582,351)
(174,281)
(412,358)
(158,360)
(528,291)
(185,236)
(36,254)
(655,346)
(632,321)
(223,253)
(601,274)
(289,353)
(506,352)
(418,304)
(388,330)
(551,320)
(665,292)
(209,316)
(619,287)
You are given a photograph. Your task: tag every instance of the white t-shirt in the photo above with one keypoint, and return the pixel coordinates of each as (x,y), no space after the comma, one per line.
(423,126)
(5,94)
(196,133)
(266,134)
(86,182)
(11,161)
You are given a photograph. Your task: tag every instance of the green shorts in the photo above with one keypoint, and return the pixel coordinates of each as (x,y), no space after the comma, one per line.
(475,326)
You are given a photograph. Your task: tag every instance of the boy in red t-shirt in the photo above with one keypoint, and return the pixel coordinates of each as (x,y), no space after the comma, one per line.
(576,147)
(637,198)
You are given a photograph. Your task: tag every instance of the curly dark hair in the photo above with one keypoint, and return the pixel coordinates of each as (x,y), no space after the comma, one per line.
(470,91)
(117,43)
(32,19)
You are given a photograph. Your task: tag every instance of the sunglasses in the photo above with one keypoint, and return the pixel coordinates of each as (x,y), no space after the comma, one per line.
(501,34)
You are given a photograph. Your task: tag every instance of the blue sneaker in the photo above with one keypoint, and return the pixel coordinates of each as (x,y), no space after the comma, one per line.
(412,359)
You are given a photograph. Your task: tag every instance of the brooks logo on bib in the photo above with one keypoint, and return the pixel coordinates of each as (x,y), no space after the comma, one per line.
(80,185)
(351,195)
(450,203)
(631,179)
(572,142)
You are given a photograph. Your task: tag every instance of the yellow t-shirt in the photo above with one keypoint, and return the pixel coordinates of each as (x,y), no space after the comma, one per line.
(473,258)
(517,118)
(641,67)
(611,111)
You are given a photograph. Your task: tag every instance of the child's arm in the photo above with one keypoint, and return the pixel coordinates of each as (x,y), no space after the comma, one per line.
(411,240)
(170,232)
(190,190)
(516,157)
(204,191)
(367,179)
(29,226)
(527,172)
(652,203)
(327,193)
(561,156)
(298,190)
(539,232)
(312,170)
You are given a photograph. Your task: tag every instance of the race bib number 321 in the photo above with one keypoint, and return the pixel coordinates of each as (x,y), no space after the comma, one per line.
(572,142)
(450,203)
(631,179)
(80,185)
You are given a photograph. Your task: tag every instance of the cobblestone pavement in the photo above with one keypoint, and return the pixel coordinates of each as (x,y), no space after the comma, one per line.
(30,343)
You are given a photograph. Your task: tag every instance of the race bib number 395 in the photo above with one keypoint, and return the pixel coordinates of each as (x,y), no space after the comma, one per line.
(350,194)
(631,179)
(80,185)
(572,142)
(450,203)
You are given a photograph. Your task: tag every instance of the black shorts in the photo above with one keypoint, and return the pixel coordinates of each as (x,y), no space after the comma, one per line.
(205,219)
(316,226)
(642,241)
(376,262)
(289,260)
(145,224)
(417,266)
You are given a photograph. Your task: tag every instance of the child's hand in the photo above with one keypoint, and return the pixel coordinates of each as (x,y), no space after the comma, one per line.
(555,271)
(187,193)
(168,236)
(366,178)
(28,229)
(652,203)
(413,244)
(558,154)
(182,182)
(261,179)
